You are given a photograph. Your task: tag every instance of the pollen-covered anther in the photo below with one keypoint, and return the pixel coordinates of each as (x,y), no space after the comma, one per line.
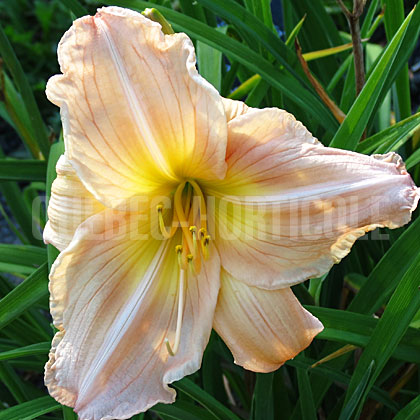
(178,250)
(205,242)
(190,262)
(202,233)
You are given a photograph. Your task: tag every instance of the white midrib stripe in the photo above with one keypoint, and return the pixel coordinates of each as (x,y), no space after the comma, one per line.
(134,105)
(325,191)
(122,322)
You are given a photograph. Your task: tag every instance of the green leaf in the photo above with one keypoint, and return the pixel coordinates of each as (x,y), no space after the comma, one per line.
(22,170)
(413,160)
(336,375)
(403,54)
(69,414)
(387,273)
(349,408)
(206,400)
(391,327)
(13,383)
(31,350)
(313,38)
(37,125)
(75,7)
(30,409)
(307,404)
(23,296)
(393,18)
(26,255)
(263,398)
(18,207)
(367,21)
(392,138)
(209,62)
(351,130)
(411,411)
(17,115)
(357,329)
(243,19)
(175,412)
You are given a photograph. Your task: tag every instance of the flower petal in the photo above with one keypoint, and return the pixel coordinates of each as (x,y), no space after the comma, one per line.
(114,300)
(135,111)
(234,108)
(289,207)
(262,328)
(70,204)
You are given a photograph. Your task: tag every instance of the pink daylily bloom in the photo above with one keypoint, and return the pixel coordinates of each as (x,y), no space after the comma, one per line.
(176,210)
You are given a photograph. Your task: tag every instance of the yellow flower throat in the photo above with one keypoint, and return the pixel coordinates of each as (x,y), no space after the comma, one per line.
(190,215)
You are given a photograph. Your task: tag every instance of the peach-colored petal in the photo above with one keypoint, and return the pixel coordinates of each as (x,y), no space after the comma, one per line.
(289,207)
(135,111)
(234,108)
(70,204)
(262,328)
(114,299)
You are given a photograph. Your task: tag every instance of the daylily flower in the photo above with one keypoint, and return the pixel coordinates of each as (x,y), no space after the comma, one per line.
(177,210)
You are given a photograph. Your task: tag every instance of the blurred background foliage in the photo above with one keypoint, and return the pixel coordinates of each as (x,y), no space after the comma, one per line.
(365,363)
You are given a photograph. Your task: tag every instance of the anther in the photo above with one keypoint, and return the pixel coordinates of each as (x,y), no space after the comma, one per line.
(178,250)
(159,208)
(202,232)
(190,261)
(205,246)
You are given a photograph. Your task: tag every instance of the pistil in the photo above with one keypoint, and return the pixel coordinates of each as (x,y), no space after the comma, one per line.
(181,291)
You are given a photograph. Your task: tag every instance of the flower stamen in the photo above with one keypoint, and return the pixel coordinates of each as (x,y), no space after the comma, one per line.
(193,231)
(181,286)
(203,210)
(165,233)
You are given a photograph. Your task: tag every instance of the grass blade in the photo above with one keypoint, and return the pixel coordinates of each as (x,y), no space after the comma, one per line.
(351,130)
(307,404)
(206,400)
(386,274)
(263,398)
(351,406)
(38,128)
(22,170)
(393,18)
(391,138)
(30,409)
(402,307)
(209,62)
(411,411)
(31,350)
(23,296)
(75,6)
